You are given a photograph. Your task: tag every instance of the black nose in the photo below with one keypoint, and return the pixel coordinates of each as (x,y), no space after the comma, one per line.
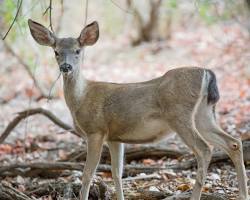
(65,67)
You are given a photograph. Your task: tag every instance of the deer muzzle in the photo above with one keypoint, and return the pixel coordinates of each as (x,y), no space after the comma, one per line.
(65,67)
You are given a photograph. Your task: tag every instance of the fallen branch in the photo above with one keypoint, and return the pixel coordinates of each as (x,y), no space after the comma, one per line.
(218,156)
(131,153)
(57,169)
(44,169)
(10,193)
(148,195)
(204,196)
(137,153)
(26,113)
(142,177)
(142,152)
(98,190)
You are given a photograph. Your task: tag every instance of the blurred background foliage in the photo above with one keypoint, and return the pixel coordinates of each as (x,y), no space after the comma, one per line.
(131,22)
(115,15)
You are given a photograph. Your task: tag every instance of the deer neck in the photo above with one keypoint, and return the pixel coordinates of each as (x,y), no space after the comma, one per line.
(74,87)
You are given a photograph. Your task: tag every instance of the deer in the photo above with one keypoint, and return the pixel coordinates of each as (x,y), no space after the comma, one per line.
(181,101)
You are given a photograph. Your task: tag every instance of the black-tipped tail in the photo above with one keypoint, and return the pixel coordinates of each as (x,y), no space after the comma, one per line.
(213,92)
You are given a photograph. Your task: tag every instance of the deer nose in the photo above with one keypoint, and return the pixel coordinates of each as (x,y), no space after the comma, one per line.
(65,67)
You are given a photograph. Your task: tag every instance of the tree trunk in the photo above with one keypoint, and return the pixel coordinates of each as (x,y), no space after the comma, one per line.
(145,16)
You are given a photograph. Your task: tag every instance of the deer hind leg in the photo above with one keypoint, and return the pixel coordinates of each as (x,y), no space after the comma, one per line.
(184,126)
(233,147)
(117,153)
(202,153)
(95,143)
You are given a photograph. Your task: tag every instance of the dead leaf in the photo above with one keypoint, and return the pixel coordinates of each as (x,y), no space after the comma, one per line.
(184,187)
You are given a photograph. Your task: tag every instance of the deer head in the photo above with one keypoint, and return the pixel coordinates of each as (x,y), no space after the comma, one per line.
(68,51)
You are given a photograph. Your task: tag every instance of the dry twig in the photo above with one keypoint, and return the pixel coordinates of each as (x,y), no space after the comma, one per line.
(26,113)
(19,4)
(98,190)
(59,20)
(49,8)
(218,156)
(10,193)
(131,153)
(43,168)
(204,196)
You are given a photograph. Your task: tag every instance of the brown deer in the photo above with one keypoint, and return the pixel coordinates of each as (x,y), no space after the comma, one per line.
(182,101)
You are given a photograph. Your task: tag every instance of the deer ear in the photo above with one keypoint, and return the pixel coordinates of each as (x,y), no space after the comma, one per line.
(41,34)
(89,34)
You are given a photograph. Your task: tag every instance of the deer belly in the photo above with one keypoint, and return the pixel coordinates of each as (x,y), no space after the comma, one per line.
(144,132)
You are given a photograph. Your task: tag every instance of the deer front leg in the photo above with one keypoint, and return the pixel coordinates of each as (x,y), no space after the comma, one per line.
(95,143)
(117,153)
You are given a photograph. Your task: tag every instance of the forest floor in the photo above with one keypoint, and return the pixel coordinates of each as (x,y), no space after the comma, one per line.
(224,49)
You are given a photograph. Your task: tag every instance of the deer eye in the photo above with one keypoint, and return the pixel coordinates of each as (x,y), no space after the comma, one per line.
(56,53)
(78,51)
